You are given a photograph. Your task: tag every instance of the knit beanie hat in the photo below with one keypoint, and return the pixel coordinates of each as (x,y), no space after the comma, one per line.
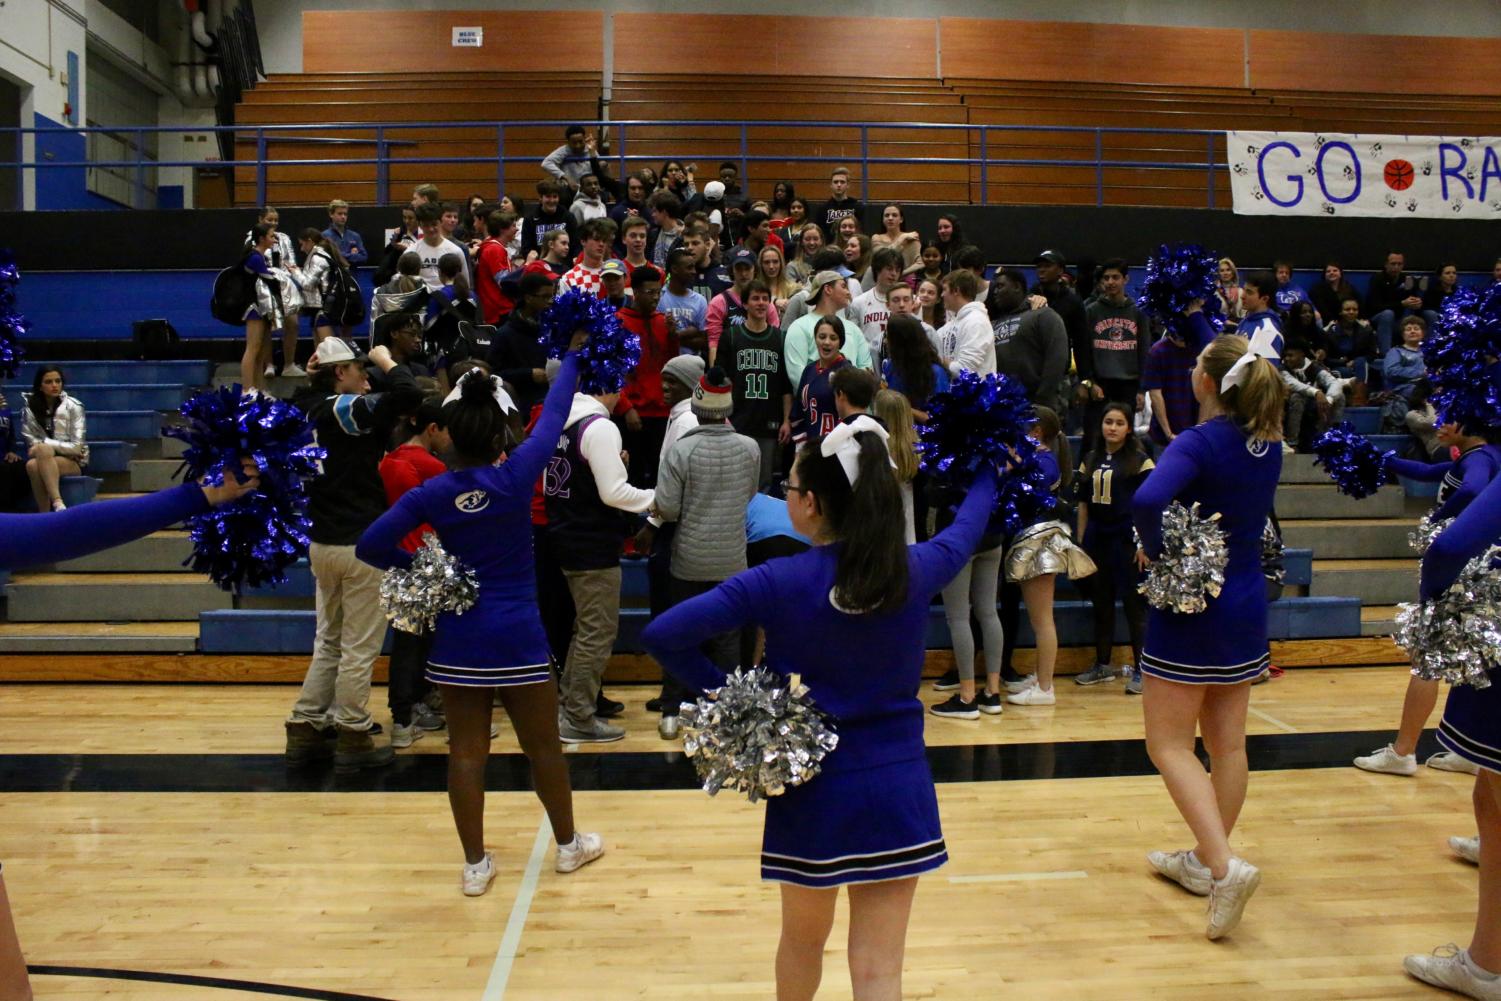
(686,369)
(713,397)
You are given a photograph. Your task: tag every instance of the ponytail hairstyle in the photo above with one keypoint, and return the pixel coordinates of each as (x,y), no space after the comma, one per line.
(430,411)
(323,243)
(1258,401)
(257,234)
(1129,458)
(892,409)
(1050,433)
(869,519)
(476,424)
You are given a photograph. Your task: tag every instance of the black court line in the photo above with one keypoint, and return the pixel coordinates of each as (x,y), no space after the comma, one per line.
(187,980)
(635,770)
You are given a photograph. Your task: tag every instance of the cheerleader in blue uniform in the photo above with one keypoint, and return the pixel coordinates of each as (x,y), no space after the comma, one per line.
(1460,482)
(850,616)
(1198,668)
(1471,728)
(481,513)
(264,309)
(29,539)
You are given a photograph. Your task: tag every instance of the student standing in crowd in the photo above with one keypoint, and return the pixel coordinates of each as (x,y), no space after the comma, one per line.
(434,246)
(839,206)
(598,235)
(421,437)
(892,235)
(965,343)
(642,411)
(814,412)
(493,262)
(1120,337)
(828,297)
(754,362)
(1030,344)
(549,216)
(348,241)
(1167,380)
(1199,667)
(589,503)
(707,479)
(331,716)
(322,265)
(1104,488)
(687,310)
(727,309)
(870,307)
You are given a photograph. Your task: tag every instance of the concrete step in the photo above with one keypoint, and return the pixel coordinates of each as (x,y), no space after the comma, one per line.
(1366,420)
(98,637)
(1351,538)
(150,475)
(1374,582)
(110,456)
(1300,468)
(159,552)
(111,597)
(282,388)
(1313,501)
(1378,620)
(122,395)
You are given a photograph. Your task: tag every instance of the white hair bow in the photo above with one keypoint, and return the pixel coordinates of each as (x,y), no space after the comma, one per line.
(1263,345)
(842,443)
(507,405)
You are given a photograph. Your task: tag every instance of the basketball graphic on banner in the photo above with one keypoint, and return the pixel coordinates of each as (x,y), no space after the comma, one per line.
(1398,175)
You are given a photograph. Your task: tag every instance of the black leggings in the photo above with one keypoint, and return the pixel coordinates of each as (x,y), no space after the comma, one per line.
(408,683)
(1115,577)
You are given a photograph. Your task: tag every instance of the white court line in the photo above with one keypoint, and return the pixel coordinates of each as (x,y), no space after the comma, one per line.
(1021,877)
(505,956)
(1271,719)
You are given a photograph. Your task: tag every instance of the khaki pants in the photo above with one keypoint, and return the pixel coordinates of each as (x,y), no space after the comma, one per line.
(351,629)
(596,602)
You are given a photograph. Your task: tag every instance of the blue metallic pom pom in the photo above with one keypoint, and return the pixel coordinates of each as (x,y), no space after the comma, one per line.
(252,541)
(1357,467)
(611,355)
(984,421)
(13,326)
(1460,354)
(1177,274)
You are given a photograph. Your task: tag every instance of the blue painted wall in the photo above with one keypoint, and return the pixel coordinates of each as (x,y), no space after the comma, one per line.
(64,187)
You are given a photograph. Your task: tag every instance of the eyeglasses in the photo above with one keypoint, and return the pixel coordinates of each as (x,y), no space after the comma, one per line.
(787,485)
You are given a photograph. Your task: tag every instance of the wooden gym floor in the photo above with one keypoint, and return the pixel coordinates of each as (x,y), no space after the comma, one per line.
(155,848)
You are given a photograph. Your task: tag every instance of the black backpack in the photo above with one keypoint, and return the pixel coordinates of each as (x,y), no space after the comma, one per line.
(234,292)
(343,302)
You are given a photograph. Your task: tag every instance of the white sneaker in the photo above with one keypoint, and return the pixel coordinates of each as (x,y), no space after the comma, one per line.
(584,848)
(294,371)
(1388,762)
(1012,687)
(1032,696)
(270,371)
(1448,761)
(1228,896)
(404,736)
(1286,450)
(1183,869)
(1450,968)
(477,878)
(1466,848)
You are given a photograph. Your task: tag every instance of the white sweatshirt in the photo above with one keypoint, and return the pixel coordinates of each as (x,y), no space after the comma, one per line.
(967,342)
(600,445)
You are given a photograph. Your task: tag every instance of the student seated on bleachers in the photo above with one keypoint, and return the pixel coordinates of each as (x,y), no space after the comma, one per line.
(1349,343)
(55,437)
(1310,386)
(1400,372)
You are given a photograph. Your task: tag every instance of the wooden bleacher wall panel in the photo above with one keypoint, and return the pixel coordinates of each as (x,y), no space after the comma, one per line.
(1067,52)
(422,41)
(723,44)
(1378,64)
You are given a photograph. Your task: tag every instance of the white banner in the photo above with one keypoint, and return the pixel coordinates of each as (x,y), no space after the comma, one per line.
(468,38)
(1334,174)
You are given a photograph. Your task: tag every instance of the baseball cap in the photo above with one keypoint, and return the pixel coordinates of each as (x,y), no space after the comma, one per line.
(742,256)
(337,351)
(614,266)
(1051,257)
(815,287)
(714,191)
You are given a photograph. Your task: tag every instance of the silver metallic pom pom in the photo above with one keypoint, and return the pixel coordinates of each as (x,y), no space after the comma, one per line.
(1456,637)
(1422,537)
(435,583)
(758,735)
(1191,569)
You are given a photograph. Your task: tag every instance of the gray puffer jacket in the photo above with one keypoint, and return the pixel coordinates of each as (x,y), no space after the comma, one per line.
(706,480)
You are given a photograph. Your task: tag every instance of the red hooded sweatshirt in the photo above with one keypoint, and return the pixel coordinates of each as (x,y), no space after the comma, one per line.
(643,390)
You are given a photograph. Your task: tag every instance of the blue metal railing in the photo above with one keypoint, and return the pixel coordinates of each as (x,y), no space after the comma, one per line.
(975,137)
